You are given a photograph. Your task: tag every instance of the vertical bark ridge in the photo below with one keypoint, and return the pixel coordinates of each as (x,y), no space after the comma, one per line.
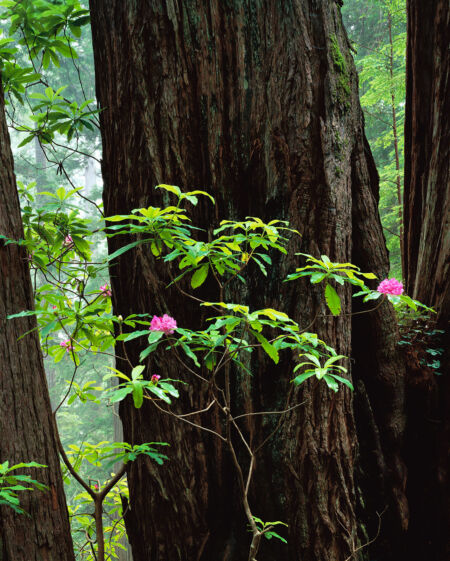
(427,261)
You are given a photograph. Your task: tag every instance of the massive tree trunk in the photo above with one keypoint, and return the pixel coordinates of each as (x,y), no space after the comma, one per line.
(427,167)
(257,103)
(26,425)
(427,260)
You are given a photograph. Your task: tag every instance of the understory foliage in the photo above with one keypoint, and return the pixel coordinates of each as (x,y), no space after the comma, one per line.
(75,321)
(12,483)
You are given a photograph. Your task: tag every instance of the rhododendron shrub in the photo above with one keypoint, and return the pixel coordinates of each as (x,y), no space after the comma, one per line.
(77,309)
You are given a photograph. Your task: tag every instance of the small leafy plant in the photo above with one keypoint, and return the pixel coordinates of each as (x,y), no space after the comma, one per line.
(266,529)
(11,484)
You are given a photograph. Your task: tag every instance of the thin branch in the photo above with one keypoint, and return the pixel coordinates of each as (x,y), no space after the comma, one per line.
(370,541)
(271,412)
(187,421)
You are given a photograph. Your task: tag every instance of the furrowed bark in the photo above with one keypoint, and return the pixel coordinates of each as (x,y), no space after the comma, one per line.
(256,103)
(427,259)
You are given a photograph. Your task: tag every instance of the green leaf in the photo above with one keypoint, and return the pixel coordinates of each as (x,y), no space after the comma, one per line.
(302,377)
(117,374)
(144,354)
(138,395)
(190,354)
(160,393)
(333,300)
(317,277)
(199,277)
(204,193)
(124,249)
(137,371)
(133,335)
(344,381)
(23,314)
(48,328)
(46,59)
(83,20)
(26,140)
(59,355)
(27,464)
(171,188)
(374,295)
(75,30)
(120,394)
(331,383)
(169,388)
(154,336)
(155,249)
(270,349)
(65,50)
(271,534)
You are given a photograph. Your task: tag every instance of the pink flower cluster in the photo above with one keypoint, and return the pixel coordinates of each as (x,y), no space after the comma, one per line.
(67,345)
(390,286)
(68,241)
(105,291)
(155,378)
(166,324)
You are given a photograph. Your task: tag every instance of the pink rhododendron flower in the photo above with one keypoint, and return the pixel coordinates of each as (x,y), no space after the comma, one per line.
(67,345)
(105,291)
(68,241)
(166,324)
(390,286)
(155,378)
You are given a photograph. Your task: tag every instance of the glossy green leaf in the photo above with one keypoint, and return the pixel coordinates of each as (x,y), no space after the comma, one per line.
(268,347)
(138,395)
(333,300)
(200,275)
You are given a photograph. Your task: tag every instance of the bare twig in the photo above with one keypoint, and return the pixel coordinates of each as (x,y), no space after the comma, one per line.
(370,541)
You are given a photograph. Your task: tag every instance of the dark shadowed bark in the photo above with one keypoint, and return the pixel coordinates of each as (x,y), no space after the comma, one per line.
(427,168)
(427,260)
(257,103)
(26,426)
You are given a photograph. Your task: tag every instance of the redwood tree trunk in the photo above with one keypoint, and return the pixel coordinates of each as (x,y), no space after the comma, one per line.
(26,426)
(257,103)
(427,261)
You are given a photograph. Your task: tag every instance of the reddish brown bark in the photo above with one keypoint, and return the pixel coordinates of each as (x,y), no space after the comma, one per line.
(257,103)
(26,428)
(427,169)
(427,260)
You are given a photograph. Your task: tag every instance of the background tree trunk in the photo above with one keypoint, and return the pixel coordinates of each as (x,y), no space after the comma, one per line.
(257,103)
(427,260)
(26,426)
